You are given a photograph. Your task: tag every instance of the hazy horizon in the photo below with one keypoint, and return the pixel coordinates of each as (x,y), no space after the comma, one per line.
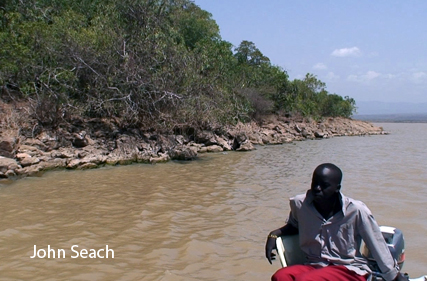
(379,107)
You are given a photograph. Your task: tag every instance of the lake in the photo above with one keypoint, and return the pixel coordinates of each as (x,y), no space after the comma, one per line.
(207,219)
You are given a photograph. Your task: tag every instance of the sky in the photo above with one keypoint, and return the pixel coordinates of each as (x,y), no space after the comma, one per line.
(369,50)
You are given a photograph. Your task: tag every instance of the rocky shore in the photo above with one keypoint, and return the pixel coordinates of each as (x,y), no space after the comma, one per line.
(95,143)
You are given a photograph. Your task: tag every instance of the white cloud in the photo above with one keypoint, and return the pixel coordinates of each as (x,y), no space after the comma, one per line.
(320,66)
(390,76)
(346,52)
(419,77)
(332,76)
(373,55)
(352,78)
(371,75)
(368,76)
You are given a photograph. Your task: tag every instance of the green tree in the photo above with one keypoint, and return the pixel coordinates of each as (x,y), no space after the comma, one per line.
(247,53)
(148,63)
(196,25)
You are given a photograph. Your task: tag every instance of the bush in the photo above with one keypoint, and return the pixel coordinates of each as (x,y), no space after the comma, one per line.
(147,63)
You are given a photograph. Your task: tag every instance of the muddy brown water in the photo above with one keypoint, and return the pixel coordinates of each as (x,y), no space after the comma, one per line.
(203,220)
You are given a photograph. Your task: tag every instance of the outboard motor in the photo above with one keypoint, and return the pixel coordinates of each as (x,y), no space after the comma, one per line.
(396,244)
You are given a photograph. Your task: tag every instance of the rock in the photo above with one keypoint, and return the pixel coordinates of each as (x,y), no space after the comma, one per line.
(87,166)
(143,157)
(28,161)
(62,153)
(8,164)
(214,148)
(203,149)
(286,139)
(46,150)
(144,147)
(278,129)
(29,149)
(298,129)
(126,161)
(206,137)
(55,163)
(112,160)
(82,154)
(35,143)
(80,140)
(255,138)
(10,173)
(319,134)
(97,159)
(93,159)
(182,152)
(7,146)
(22,155)
(51,142)
(239,139)
(246,146)
(196,146)
(73,164)
(266,139)
(126,145)
(223,143)
(163,157)
(29,171)
(305,134)
(180,139)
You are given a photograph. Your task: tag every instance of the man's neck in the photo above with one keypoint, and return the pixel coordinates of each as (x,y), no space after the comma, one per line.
(328,208)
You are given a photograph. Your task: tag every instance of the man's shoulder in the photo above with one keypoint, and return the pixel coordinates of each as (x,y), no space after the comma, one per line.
(353,201)
(299,197)
(357,204)
(298,200)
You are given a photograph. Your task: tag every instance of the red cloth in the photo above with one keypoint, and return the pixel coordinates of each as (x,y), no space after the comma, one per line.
(310,273)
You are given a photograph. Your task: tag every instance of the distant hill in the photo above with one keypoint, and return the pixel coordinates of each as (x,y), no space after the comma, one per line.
(377,107)
(392,118)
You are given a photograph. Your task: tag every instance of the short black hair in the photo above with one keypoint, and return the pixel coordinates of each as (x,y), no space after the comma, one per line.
(332,167)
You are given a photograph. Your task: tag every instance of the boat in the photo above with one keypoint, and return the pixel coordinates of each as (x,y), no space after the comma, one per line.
(290,253)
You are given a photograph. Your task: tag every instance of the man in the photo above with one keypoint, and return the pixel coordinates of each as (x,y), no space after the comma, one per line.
(331,227)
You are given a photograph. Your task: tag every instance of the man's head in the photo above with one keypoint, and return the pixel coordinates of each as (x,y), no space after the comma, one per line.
(326,182)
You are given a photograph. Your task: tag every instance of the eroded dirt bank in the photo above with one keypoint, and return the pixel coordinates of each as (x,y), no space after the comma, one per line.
(95,143)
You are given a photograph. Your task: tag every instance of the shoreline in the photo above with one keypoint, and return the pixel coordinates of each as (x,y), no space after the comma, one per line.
(95,144)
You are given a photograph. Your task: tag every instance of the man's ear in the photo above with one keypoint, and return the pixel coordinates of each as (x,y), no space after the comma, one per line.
(338,188)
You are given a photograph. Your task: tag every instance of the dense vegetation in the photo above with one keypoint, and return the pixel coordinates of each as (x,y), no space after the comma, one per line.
(147,63)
